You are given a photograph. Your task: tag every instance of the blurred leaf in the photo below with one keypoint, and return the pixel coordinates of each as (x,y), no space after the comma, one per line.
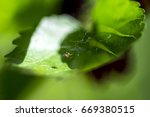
(14,80)
(70,85)
(119,29)
(34,10)
(24,13)
(142,76)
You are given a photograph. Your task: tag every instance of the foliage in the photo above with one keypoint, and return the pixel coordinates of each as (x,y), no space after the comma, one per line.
(57,51)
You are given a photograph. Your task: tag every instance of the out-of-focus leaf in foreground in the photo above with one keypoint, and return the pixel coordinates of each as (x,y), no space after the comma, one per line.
(119,29)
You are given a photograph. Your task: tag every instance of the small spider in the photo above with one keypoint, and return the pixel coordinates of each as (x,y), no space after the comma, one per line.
(67,55)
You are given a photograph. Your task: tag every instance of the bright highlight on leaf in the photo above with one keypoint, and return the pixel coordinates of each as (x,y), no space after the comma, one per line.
(48,36)
(38,50)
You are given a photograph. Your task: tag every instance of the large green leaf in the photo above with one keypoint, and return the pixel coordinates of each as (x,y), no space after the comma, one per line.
(41,64)
(103,46)
(38,49)
(14,80)
(119,29)
(76,86)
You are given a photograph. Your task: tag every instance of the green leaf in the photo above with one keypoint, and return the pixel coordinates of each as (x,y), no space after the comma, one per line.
(73,85)
(42,66)
(38,51)
(22,43)
(14,80)
(119,29)
(81,50)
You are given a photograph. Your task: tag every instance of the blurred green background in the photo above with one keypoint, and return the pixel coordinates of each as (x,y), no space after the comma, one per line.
(16,15)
